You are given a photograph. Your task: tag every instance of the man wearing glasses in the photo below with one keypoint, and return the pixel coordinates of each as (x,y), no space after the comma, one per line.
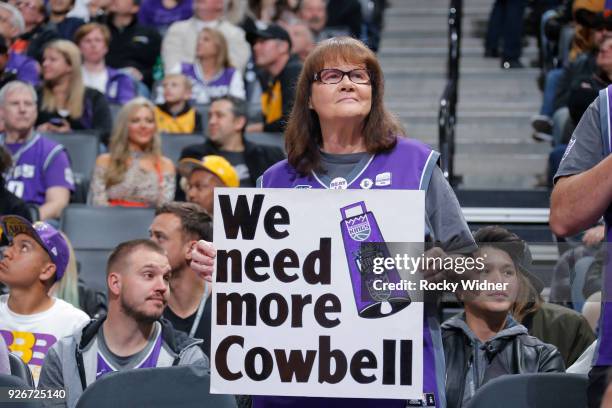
(279,70)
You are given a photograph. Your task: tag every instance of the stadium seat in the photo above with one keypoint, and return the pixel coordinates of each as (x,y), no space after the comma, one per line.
(174,143)
(14,382)
(202,110)
(545,390)
(95,231)
(83,148)
(267,138)
(114,108)
(20,369)
(185,386)
(581,269)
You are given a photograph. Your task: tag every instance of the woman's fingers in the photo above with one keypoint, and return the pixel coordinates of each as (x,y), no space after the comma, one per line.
(203,259)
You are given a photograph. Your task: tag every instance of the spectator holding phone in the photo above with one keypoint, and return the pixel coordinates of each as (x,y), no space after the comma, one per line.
(64,103)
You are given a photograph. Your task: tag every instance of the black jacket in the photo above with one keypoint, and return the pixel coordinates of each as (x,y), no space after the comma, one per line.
(573,73)
(286,80)
(134,46)
(257,157)
(11,204)
(96,114)
(511,351)
(37,39)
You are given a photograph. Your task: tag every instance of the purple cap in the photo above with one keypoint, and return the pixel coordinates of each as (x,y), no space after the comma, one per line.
(48,237)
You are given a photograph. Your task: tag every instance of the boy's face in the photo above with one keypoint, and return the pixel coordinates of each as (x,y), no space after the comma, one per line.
(23,261)
(499,268)
(176,90)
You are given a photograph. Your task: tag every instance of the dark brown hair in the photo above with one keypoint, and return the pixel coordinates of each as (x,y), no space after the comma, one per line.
(195,222)
(117,258)
(528,300)
(303,134)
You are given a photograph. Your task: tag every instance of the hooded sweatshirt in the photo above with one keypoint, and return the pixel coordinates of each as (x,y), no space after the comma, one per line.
(71,363)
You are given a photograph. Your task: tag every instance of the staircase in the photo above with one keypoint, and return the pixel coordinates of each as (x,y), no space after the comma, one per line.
(494,146)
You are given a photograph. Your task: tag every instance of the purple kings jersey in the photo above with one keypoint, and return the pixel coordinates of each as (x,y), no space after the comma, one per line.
(149,361)
(603,356)
(203,91)
(409,166)
(38,164)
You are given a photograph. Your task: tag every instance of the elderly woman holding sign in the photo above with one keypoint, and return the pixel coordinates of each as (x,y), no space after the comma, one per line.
(341,136)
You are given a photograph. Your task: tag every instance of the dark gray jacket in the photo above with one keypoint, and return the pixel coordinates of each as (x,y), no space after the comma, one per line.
(471,363)
(71,362)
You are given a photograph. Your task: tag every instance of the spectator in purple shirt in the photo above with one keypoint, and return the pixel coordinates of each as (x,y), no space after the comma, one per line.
(11,26)
(41,172)
(93,40)
(161,13)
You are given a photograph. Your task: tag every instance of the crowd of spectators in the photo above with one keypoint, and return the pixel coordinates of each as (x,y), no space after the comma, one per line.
(135,72)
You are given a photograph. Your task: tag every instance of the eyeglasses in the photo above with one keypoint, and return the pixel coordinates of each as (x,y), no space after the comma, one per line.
(335,76)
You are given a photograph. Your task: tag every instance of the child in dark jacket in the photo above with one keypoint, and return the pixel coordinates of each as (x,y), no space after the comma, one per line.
(485,342)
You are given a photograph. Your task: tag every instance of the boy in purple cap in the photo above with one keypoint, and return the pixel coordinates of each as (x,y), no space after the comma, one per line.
(31,321)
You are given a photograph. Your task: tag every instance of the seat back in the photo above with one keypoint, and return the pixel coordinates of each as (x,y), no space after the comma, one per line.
(267,138)
(174,143)
(542,390)
(95,231)
(184,386)
(82,148)
(14,382)
(20,369)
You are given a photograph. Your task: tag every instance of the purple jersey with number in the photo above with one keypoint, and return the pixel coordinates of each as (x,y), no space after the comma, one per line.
(603,356)
(38,164)
(150,361)
(204,91)
(407,166)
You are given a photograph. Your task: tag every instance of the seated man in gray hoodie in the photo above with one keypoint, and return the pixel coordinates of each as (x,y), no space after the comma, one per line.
(132,336)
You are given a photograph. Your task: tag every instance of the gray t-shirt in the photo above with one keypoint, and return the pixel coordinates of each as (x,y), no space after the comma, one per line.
(237,160)
(127,362)
(443,217)
(585,149)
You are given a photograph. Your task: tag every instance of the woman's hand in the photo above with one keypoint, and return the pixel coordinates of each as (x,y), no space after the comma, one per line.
(62,126)
(594,236)
(203,259)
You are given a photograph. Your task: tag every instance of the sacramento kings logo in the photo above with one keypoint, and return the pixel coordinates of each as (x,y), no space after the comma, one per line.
(359,227)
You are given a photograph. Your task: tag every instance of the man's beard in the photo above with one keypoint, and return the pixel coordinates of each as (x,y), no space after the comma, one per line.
(137,315)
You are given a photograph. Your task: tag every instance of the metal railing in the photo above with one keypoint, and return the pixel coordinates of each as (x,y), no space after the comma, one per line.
(447,114)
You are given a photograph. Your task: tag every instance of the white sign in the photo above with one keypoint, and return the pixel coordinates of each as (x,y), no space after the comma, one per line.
(290,315)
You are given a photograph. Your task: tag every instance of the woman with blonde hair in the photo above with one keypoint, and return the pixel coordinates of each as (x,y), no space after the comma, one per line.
(64,102)
(212,74)
(134,173)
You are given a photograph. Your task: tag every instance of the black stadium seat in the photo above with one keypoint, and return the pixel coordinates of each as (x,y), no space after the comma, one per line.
(185,386)
(13,382)
(20,369)
(544,390)
(174,143)
(95,231)
(267,138)
(83,148)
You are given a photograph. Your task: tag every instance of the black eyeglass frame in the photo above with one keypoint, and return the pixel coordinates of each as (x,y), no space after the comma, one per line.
(317,76)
